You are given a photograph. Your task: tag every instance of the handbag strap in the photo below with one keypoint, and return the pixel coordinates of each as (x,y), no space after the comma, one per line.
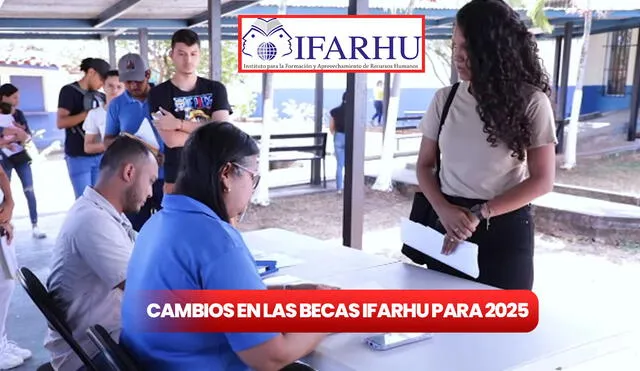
(443,117)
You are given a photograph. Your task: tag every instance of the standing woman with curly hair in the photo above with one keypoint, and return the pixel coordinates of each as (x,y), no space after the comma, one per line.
(497,141)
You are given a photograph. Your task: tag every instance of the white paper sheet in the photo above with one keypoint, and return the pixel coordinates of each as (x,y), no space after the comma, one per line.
(8,261)
(429,241)
(282,260)
(145,132)
(284,279)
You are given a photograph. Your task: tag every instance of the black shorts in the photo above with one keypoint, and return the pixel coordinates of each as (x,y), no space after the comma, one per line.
(171,164)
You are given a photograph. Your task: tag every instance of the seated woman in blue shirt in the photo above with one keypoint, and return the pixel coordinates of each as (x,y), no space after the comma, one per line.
(190,244)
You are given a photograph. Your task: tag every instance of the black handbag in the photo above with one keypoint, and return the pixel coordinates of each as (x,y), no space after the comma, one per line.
(20,158)
(421,210)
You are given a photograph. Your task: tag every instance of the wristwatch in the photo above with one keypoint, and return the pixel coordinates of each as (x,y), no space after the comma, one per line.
(477,211)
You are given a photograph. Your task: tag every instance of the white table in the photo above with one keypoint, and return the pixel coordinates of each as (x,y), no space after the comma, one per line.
(319,259)
(559,329)
(459,352)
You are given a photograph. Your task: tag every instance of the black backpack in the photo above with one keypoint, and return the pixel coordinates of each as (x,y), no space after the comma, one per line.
(91,98)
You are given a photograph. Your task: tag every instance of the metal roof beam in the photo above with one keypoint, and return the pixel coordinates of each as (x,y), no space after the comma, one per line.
(114,11)
(50,24)
(227,9)
(87,36)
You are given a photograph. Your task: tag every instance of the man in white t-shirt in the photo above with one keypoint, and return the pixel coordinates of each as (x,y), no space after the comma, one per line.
(96,118)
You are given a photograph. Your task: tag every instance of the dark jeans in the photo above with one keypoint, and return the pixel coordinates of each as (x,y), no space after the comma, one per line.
(505,249)
(153,204)
(26,178)
(377,104)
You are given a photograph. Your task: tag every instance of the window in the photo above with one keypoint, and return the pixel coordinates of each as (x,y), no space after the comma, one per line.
(618,47)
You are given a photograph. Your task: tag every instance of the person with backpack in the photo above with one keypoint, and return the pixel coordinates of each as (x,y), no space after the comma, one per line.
(488,148)
(18,158)
(74,103)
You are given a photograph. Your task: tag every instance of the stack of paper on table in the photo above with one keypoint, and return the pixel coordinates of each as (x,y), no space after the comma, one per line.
(282,260)
(429,241)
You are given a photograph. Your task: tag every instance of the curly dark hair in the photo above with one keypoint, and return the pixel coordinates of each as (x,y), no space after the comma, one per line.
(503,59)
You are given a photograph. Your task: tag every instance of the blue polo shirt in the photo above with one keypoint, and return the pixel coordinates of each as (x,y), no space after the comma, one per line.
(125,114)
(186,246)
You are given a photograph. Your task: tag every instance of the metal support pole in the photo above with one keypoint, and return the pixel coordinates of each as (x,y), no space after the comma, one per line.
(111,41)
(385,102)
(454,71)
(215,39)
(143,41)
(316,165)
(564,83)
(557,58)
(353,217)
(635,95)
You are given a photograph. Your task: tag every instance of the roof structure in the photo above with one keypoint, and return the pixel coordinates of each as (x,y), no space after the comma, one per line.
(87,19)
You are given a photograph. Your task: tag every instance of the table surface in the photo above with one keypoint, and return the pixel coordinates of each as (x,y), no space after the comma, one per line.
(319,259)
(559,329)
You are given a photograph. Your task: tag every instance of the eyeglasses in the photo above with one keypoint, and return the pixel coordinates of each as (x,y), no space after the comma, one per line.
(255,176)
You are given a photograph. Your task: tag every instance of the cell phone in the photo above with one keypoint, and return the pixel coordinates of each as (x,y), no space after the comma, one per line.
(157,115)
(392,340)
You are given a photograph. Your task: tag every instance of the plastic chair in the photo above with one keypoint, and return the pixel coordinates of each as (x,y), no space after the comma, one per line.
(40,296)
(118,358)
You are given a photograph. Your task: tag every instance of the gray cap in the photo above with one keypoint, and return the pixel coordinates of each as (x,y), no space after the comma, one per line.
(132,67)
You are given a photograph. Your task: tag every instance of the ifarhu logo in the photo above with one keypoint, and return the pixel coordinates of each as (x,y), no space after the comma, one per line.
(266,39)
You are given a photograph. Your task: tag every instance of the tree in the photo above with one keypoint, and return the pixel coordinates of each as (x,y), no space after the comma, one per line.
(261,195)
(571,144)
(385,169)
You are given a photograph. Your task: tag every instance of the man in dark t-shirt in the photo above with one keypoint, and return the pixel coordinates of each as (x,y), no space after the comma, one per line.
(180,105)
(74,102)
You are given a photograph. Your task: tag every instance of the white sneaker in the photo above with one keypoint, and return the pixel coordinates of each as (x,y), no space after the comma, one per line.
(13,348)
(37,234)
(9,361)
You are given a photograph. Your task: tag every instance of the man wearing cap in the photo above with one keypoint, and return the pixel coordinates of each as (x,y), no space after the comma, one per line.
(129,113)
(74,102)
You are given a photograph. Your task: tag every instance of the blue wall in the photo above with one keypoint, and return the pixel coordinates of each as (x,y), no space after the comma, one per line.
(594,100)
(417,99)
(410,100)
(31,92)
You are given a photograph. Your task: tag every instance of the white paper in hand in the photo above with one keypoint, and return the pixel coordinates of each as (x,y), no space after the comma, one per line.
(8,260)
(145,132)
(429,241)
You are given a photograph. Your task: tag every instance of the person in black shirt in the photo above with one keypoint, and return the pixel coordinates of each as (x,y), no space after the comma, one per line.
(180,105)
(75,101)
(336,126)
(20,161)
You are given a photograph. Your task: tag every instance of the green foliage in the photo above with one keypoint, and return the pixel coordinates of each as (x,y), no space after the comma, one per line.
(162,66)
